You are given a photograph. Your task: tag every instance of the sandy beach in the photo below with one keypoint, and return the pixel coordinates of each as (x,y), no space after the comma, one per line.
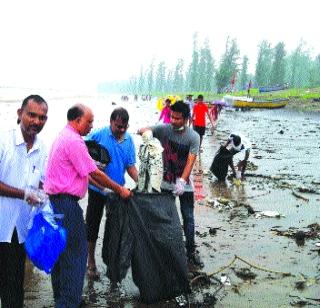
(282,177)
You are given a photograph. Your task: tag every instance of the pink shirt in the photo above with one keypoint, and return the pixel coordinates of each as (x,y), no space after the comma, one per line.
(69,165)
(165,114)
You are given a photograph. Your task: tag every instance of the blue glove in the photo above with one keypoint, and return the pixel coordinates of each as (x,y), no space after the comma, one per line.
(179,187)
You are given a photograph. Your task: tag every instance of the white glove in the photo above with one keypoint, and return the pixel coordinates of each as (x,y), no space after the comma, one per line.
(179,187)
(106,190)
(34,197)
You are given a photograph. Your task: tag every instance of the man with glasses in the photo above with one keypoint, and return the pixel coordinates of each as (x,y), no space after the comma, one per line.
(119,144)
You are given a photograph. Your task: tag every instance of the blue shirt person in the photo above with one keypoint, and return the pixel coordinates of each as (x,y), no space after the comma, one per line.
(119,143)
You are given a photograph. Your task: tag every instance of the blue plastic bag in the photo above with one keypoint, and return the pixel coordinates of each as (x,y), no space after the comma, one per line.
(45,242)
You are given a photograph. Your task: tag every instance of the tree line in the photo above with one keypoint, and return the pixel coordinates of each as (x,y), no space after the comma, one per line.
(274,66)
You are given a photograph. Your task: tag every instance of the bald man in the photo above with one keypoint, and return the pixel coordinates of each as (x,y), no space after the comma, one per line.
(67,176)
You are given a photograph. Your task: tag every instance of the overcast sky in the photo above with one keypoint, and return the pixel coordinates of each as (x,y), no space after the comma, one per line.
(77,44)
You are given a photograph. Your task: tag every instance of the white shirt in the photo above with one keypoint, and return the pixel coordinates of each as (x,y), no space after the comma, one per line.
(18,168)
(245,144)
(190,103)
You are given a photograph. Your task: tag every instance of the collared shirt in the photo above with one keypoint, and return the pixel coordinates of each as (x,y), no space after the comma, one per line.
(69,165)
(122,153)
(18,168)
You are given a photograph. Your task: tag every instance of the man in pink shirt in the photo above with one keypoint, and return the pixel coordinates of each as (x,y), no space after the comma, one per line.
(67,177)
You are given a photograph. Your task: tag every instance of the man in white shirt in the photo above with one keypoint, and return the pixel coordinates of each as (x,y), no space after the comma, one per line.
(22,162)
(240,144)
(223,158)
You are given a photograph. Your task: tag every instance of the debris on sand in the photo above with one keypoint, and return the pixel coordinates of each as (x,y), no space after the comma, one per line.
(270,214)
(245,273)
(300,237)
(300,196)
(312,233)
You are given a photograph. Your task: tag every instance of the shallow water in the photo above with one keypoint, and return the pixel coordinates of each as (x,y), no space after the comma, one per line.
(285,155)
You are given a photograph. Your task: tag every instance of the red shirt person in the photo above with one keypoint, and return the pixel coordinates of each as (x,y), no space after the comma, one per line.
(200,110)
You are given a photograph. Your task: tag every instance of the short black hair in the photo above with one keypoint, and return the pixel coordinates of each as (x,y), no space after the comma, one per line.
(236,139)
(75,112)
(34,97)
(180,106)
(200,96)
(120,113)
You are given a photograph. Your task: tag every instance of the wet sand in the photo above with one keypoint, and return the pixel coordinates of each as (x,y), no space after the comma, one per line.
(284,161)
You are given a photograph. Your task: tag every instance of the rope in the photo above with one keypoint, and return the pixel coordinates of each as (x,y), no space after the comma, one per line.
(203,275)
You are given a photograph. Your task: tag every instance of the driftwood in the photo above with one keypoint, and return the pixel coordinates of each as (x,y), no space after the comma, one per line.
(202,275)
(299,196)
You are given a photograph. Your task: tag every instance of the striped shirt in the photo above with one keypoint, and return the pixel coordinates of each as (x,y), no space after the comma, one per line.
(69,165)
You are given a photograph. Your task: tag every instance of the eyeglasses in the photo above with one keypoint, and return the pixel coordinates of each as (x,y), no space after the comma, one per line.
(122,126)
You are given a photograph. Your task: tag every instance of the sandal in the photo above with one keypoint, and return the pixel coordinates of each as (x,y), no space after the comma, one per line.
(92,272)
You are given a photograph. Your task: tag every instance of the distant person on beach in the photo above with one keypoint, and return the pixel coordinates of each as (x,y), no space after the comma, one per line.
(200,110)
(22,162)
(121,149)
(67,176)
(224,157)
(181,147)
(165,112)
(189,101)
(249,88)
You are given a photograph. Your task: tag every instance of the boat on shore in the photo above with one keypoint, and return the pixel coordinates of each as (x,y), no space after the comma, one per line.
(273,88)
(260,103)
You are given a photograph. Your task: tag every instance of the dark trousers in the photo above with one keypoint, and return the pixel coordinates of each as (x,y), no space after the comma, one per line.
(96,204)
(68,273)
(12,266)
(187,213)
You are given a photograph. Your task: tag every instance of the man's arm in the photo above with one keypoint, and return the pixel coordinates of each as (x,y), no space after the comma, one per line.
(30,196)
(210,118)
(232,166)
(10,191)
(133,173)
(188,167)
(103,180)
(95,183)
(179,186)
(243,163)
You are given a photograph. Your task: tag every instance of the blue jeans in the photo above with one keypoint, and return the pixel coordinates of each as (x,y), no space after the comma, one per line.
(187,212)
(68,273)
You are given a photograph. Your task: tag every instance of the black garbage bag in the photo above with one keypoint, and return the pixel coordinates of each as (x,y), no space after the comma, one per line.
(221,162)
(117,240)
(98,152)
(157,253)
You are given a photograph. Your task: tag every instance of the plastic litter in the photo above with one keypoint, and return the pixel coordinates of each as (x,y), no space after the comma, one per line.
(271,214)
(46,239)
(225,280)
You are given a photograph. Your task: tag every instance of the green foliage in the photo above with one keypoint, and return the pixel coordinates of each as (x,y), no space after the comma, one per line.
(243,78)
(297,93)
(228,66)
(264,64)
(273,66)
(278,70)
